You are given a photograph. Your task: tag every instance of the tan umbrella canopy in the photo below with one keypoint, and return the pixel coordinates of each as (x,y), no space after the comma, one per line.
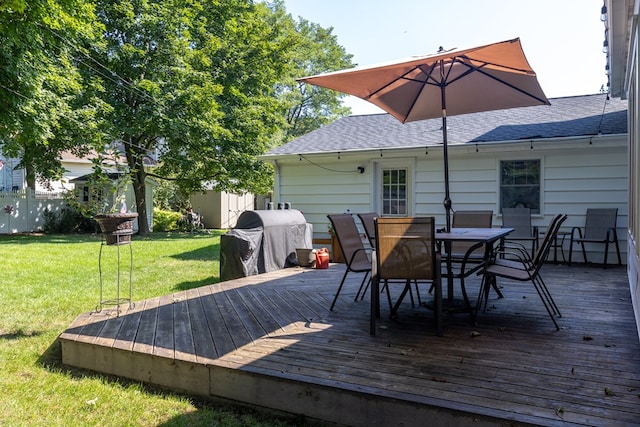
(459,81)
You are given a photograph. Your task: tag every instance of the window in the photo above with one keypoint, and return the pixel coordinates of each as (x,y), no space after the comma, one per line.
(520,184)
(394,192)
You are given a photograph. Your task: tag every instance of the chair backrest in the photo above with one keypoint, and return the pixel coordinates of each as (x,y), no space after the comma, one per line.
(406,248)
(598,222)
(549,238)
(346,231)
(470,219)
(368,222)
(520,220)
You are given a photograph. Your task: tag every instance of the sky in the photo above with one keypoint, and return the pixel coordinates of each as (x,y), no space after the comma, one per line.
(562,39)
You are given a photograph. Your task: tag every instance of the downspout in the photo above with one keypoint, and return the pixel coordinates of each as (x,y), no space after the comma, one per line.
(277,182)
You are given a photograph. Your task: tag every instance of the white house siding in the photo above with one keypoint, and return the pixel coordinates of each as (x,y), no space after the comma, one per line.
(634,171)
(623,34)
(317,192)
(576,175)
(74,169)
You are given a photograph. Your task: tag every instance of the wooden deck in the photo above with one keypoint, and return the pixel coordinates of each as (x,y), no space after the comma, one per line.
(271,341)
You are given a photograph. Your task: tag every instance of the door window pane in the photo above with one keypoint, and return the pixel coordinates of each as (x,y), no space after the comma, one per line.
(394,192)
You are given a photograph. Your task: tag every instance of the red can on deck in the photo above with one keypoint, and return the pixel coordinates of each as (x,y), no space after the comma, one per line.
(322,258)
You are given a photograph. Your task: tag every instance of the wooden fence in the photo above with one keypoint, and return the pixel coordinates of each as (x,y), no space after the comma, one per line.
(23,211)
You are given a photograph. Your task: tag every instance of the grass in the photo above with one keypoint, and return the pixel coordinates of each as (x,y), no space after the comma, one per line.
(45,282)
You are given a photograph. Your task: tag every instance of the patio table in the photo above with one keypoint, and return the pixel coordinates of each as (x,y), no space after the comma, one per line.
(481,236)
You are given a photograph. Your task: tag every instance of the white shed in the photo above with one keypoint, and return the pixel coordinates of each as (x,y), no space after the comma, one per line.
(221,209)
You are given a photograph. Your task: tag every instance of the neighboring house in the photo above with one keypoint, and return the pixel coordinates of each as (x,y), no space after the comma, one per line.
(221,209)
(622,32)
(8,174)
(13,179)
(566,157)
(29,206)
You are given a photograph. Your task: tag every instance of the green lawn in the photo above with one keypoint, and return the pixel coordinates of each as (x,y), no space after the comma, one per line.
(45,282)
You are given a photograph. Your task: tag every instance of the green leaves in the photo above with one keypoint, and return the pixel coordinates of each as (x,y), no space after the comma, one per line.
(207,85)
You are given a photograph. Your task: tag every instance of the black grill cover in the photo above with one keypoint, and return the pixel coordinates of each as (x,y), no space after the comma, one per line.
(263,241)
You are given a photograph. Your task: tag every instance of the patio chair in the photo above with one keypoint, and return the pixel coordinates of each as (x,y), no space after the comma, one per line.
(600,227)
(353,250)
(368,222)
(523,270)
(405,253)
(520,220)
(518,256)
(465,260)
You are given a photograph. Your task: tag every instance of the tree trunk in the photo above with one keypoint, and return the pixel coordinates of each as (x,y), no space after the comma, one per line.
(30,177)
(135,160)
(139,189)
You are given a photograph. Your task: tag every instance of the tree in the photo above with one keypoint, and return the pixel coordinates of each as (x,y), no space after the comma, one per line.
(46,107)
(202,86)
(312,106)
(195,83)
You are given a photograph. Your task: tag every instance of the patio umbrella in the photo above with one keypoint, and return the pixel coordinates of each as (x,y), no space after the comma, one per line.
(447,83)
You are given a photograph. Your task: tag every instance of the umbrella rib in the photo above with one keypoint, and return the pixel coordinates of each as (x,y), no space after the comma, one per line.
(472,68)
(403,76)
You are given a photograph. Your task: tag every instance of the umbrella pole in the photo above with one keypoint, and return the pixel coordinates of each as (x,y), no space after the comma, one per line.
(447,199)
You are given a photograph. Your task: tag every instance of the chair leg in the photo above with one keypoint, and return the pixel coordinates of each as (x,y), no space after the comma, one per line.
(606,253)
(494,285)
(467,303)
(548,304)
(438,308)
(407,288)
(618,251)
(366,274)
(570,252)
(375,305)
(366,288)
(584,252)
(483,295)
(418,293)
(386,286)
(413,303)
(339,289)
(549,298)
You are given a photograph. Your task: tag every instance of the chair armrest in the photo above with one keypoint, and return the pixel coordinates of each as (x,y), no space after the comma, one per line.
(573,230)
(512,244)
(356,253)
(518,251)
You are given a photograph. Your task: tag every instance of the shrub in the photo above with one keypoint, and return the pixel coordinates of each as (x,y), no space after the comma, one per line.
(168,196)
(166,220)
(68,220)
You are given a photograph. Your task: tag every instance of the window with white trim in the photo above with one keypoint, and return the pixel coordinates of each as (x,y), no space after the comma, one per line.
(520,184)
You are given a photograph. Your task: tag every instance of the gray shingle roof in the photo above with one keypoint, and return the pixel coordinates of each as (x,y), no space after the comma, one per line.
(565,117)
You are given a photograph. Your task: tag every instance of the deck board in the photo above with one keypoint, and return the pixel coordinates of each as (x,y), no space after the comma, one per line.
(270,340)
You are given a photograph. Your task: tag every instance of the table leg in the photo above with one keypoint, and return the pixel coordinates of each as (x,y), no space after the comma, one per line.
(449,273)
(438,308)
